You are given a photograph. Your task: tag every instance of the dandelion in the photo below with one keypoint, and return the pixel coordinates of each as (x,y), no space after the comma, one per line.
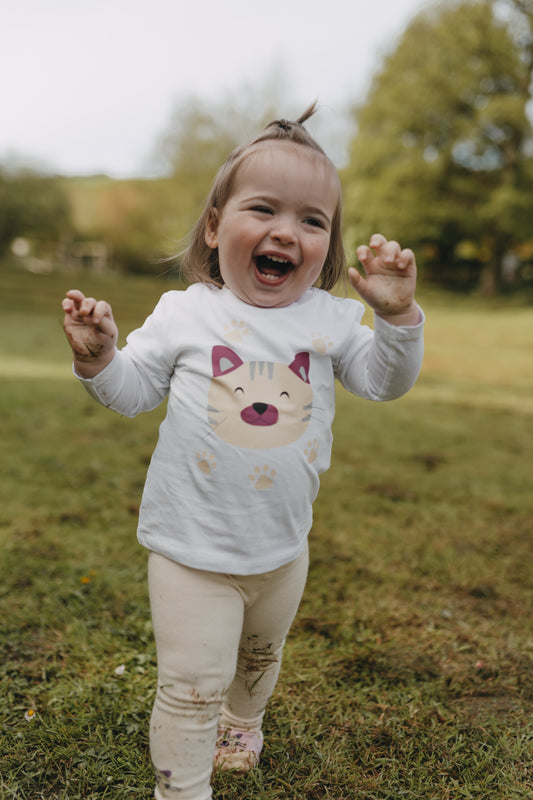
(120,670)
(85,579)
(29,715)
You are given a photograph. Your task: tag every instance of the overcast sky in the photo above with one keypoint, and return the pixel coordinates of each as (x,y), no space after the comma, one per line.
(88,86)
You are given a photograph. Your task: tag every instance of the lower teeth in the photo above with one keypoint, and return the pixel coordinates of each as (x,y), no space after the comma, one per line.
(271,270)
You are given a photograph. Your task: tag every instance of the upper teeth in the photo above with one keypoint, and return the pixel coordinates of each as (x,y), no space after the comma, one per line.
(278,259)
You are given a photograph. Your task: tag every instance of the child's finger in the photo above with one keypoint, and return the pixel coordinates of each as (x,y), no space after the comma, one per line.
(355,278)
(390,252)
(87,306)
(377,240)
(76,298)
(364,253)
(103,317)
(72,299)
(75,294)
(407,258)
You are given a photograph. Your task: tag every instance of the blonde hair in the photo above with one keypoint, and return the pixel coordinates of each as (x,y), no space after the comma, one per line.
(200,262)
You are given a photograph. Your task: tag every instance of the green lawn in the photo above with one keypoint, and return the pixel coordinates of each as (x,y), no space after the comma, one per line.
(409,670)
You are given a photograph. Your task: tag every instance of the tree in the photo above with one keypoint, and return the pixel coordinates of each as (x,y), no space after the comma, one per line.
(442,155)
(31,205)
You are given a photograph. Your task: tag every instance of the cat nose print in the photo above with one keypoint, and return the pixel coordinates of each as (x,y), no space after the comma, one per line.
(261,414)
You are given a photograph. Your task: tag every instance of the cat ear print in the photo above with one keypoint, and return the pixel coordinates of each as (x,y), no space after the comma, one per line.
(300,366)
(224,360)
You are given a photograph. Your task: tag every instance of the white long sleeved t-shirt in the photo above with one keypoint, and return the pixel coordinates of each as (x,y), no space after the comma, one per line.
(247,432)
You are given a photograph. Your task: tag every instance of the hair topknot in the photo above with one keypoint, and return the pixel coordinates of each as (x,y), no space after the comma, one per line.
(290,130)
(287,124)
(278,130)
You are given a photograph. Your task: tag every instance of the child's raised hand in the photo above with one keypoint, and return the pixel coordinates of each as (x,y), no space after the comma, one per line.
(91,331)
(389,286)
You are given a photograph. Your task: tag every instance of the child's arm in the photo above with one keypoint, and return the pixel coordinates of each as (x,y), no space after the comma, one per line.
(389,286)
(91,331)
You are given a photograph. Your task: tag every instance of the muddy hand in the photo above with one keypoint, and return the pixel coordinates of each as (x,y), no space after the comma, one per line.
(390,280)
(89,327)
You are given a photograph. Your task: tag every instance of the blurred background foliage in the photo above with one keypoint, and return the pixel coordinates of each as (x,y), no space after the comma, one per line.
(440,157)
(443,154)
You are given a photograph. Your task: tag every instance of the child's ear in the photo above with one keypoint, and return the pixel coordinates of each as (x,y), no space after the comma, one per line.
(211,238)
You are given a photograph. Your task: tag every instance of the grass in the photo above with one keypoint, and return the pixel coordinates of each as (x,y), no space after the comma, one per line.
(408,672)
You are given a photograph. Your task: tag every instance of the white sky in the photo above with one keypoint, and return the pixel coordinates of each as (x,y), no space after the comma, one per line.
(88,85)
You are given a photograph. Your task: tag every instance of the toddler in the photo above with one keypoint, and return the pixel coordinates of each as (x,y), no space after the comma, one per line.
(247,356)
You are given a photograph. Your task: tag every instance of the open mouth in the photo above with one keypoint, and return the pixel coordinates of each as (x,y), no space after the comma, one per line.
(272,268)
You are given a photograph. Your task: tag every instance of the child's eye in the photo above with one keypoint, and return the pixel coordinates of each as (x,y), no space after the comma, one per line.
(314,222)
(262,209)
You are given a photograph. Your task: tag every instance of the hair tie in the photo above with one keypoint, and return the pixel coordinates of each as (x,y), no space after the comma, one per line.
(284,124)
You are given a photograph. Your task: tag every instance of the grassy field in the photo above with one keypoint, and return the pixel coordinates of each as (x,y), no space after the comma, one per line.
(409,670)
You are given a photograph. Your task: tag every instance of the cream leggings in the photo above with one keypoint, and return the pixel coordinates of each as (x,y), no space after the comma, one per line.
(219,640)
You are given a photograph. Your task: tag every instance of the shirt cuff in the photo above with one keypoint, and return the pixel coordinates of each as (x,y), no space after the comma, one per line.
(400,331)
(104,385)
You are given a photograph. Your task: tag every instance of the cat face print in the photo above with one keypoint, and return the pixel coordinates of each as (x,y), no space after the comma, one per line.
(259,404)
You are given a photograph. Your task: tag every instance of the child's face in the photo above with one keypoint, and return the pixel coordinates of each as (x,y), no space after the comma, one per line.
(273,233)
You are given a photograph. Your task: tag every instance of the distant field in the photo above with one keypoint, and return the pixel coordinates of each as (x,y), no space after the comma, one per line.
(409,670)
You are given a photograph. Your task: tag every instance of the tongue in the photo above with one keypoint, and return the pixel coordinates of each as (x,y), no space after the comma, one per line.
(276,272)
(268,267)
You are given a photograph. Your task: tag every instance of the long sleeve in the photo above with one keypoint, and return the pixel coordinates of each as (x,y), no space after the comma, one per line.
(120,386)
(384,364)
(138,377)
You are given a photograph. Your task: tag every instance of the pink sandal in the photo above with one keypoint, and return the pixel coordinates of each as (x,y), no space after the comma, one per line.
(237,750)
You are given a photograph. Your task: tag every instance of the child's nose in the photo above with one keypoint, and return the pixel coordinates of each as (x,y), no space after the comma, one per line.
(283,230)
